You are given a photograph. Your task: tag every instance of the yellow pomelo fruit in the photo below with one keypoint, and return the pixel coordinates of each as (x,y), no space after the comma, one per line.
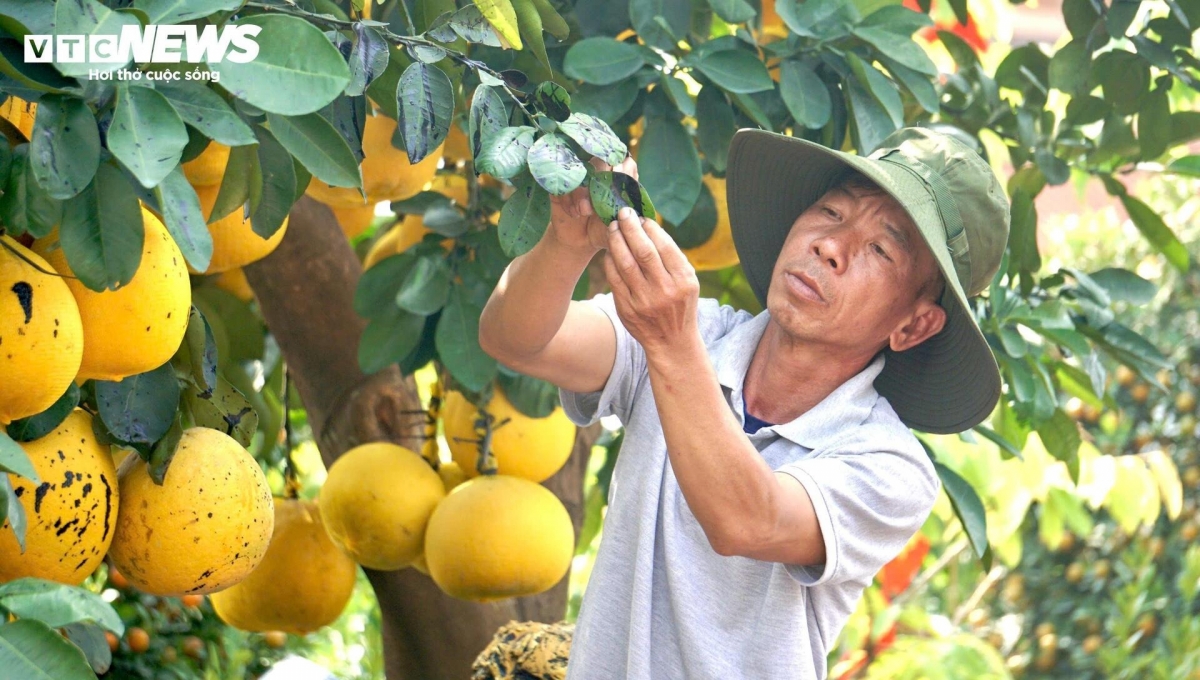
(139,326)
(452,475)
(530,448)
(356,220)
(302,584)
(41,335)
(208,168)
(457,146)
(376,501)
(387,174)
(499,536)
(772,24)
(718,251)
(71,515)
(20,113)
(421,565)
(234,242)
(233,281)
(206,528)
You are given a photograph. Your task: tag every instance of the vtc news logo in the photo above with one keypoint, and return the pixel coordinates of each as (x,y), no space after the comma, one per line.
(167,44)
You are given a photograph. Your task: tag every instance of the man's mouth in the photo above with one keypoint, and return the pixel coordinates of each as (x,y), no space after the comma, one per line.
(804,286)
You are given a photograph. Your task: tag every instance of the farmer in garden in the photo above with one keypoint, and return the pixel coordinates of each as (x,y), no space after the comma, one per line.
(768,470)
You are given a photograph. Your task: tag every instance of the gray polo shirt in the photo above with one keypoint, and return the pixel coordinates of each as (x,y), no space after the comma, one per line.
(662,604)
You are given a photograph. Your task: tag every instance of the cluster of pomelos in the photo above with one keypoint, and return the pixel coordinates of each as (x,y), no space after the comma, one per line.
(480,535)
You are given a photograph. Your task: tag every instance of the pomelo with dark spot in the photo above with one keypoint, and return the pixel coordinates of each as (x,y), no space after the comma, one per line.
(71,514)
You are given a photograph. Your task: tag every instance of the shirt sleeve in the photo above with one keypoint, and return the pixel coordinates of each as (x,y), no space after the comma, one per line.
(868,504)
(616,398)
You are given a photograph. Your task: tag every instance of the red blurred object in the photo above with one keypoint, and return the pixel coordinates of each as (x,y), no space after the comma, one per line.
(25,240)
(896,575)
(969,33)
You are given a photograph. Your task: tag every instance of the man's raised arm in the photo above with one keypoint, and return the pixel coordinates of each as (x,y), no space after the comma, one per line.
(530,323)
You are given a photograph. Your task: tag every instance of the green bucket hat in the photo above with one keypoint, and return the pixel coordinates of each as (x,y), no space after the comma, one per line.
(950,382)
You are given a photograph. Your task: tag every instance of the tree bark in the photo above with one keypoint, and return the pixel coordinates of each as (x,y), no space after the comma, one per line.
(305,290)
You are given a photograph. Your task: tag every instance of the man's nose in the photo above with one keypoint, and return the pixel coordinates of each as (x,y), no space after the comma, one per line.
(831,250)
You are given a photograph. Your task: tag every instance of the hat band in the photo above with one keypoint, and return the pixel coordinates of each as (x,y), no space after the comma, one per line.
(947,207)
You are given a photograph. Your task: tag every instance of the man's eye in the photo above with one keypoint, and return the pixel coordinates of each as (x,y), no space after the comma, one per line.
(879,249)
(829,211)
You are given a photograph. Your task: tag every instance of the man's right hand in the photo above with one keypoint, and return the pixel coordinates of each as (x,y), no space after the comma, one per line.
(573,221)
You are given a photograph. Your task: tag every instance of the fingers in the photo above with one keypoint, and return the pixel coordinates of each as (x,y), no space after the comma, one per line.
(628,166)
(673,259)
(600,164)
(644,252)
(624,262)
(613,274)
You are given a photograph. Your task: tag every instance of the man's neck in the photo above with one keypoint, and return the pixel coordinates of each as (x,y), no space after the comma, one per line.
(787,377)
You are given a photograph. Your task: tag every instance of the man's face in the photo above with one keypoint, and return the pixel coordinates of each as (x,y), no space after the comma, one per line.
(850,273)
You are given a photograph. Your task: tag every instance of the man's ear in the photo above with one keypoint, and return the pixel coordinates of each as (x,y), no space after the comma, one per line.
(927,320)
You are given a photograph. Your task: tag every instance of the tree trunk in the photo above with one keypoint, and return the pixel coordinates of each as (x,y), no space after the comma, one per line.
(305,290)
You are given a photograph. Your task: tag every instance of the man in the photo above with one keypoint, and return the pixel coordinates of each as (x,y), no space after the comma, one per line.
(768,470)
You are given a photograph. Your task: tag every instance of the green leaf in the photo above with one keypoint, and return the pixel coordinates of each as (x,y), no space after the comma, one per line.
(872,124)
(918,84)
(457,340)
(1156,232)
(30,650)
(89,638)
(205,110)
(736,71)
(56,605)
(65,150)
(427,285)
(184,219)
(278,174)
(699,226)
(595,137)
(609,103)
(42,424)
(1022,234)
(501,15)
(669,168)
(1188,165)
(12,513)
(164,450)
(733,11)
(806,17)
(297,69)
(532,397)
(1070,67)
(88,18)
(389,337)
(237,329)
(179,11)
(146,134)
(602,61)
(610,191)
(899,48)
(1053,168)
(20,17)
(554,164)
(1078,383)
(201,349)
(102,231)
(317,145)
(883,89)
(140,408)
(898,19)
(677,90)
(1120,15)
(505,153)
(1061,436)
(1154,124)
(552,22)
(14,459)
(25,206)
(377,288)
(552,99)
(470,25)
(487,116)
(1125,286)
(426,102)
(1080,17)
(524,218)
(225,409)
(529,23)
(368,59)
(967,507)
(715,126)
(804,94)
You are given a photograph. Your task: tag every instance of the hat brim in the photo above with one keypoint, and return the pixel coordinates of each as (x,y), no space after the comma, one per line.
(947,384)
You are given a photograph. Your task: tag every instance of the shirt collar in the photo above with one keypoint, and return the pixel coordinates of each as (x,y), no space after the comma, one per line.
(847,406)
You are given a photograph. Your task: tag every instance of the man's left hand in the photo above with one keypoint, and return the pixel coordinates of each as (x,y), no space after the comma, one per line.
(654,286)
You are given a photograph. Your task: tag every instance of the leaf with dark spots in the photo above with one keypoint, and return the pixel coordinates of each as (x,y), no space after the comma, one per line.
(139,409)
(12,510)
(225,410)
(611,191)
(425,98)
(552,99)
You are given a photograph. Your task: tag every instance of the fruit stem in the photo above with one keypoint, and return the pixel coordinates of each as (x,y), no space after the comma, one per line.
(291,485)
(484,427)
(429,448)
